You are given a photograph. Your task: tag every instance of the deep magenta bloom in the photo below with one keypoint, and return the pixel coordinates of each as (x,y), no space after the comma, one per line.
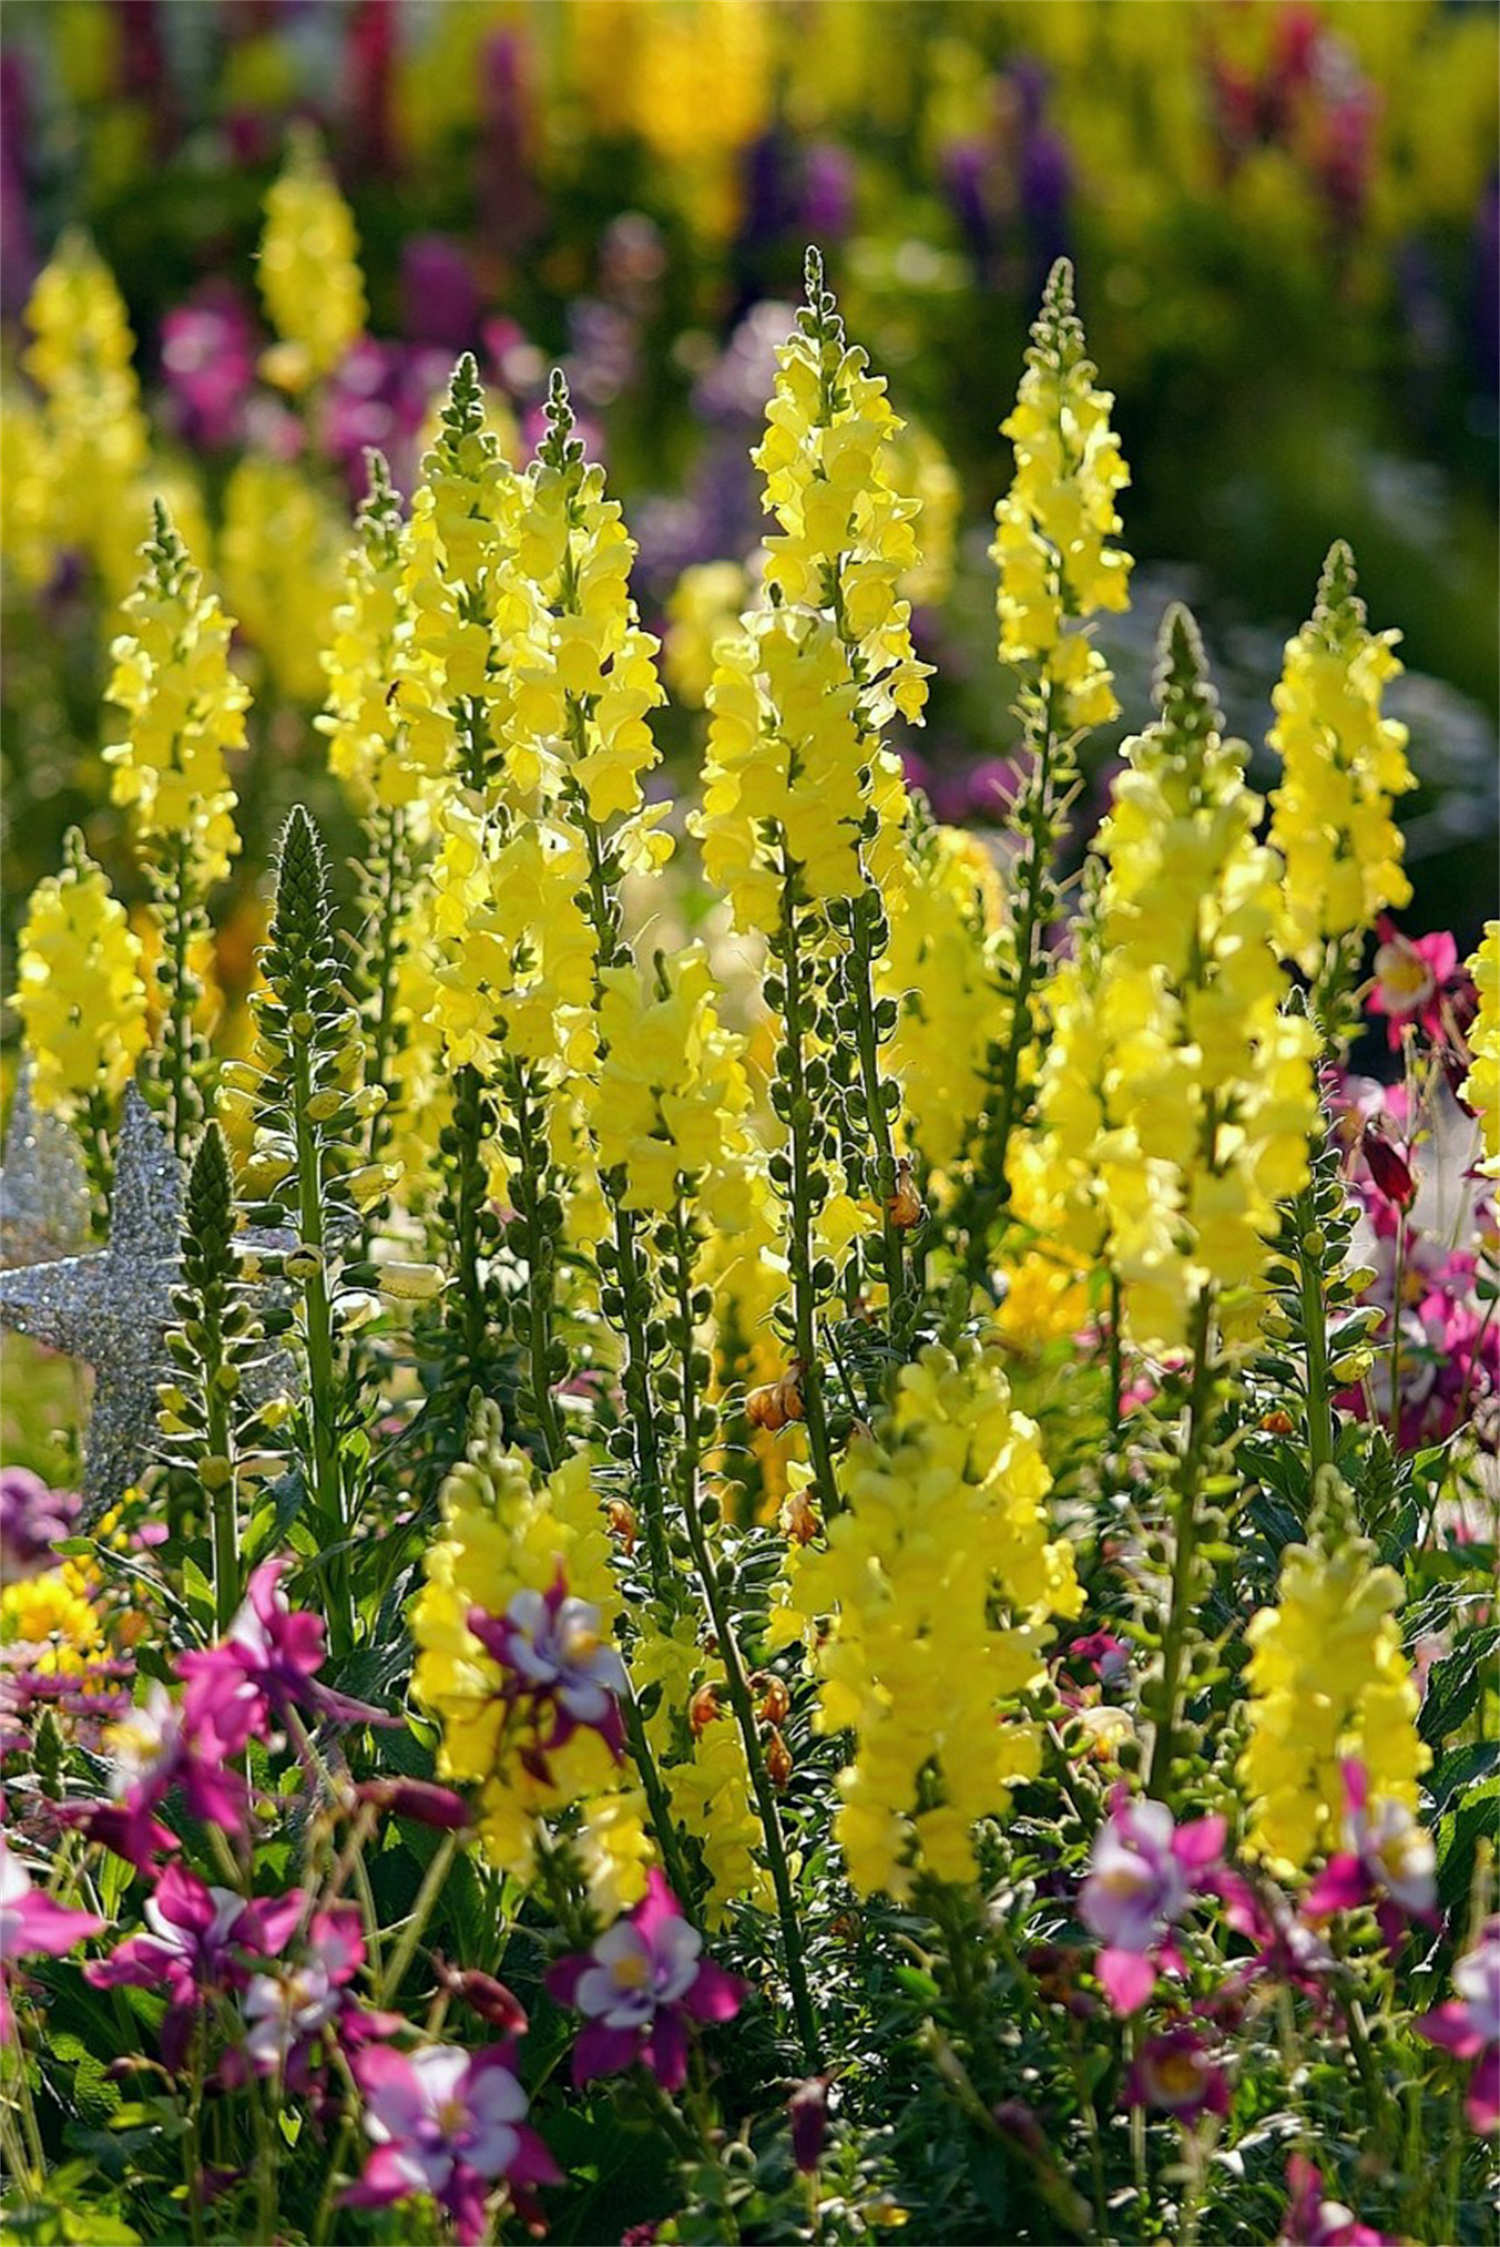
(1312,2221)
(1176,2073)
(208,353)
(807,2109)
(32,1925)
(159,1745)
(289,2010)
(1468,2026)
(450,2124)
(555,1661)
(33,1522)
(1142,1873)
(1388,1860)
(265,1667)
(201,1941)
(1419,983)
(638,1985)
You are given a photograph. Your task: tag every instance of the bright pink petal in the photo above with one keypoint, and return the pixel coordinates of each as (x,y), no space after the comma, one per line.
(1483,2103)
(533,2164)
(1128,1978)
(715,1995)
(1200,1842)
(1340,1887)
(656,1907)
(1448,2027)
(45,1929)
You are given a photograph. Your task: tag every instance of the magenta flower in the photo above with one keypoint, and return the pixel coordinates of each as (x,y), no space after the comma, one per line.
(32,1925)
(1312,2221)
(1142,1873)
(265,1668)
(638,1985)
(807,2110)
(450,2124)
(1388,1859)
(158,1745)
(549,1645)
(1176,2073)
(288,2011)
(208,352)
(33,1522)
(1419,982)
(199,1940)
(1468,2026)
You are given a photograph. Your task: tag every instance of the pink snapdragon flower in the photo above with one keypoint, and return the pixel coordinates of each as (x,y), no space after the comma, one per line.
(1177,2073)
(1468,2026)
(1387,1859)
(1143,1871)
(638,1985)
(450,2124)
(1312,2221)
(199,1942)
(555,1660)
(32,1925)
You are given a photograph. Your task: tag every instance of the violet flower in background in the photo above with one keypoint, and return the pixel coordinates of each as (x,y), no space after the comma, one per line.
(34,1521)
(449,2124)
(1312,2221)
(1177,2073)
(197,1946)
(439,294)
(1468,2026)
(638,1986)
(209,351)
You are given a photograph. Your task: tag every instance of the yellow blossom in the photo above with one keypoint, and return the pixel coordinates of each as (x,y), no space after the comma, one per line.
(1481,1087)
(309,269)
(79,991)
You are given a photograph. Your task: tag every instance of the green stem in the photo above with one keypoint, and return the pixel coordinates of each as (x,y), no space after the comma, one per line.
(657,1800)
(180,1024)
(411,1934)
(322,1397)
(1181,1611)
(1397,1292)
(734,1668)
(863,911)
(799,1241)
(1116,1359)
(540,1261)
(1315,1339)
(468,1125)
(224,1499)
(650,1483)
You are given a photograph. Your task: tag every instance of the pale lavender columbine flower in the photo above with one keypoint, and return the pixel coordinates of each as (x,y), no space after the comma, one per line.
(447,2123)
(1468,2026)
(638,1985)
(550,1644)
(1142,1874)
(1387,1859)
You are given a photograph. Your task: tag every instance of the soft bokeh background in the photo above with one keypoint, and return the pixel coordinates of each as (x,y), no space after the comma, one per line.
(1283,212)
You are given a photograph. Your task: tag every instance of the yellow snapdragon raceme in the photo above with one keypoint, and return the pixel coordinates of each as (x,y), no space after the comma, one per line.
(706,1778)
(79,991)
(1328,1683)
(1053,529)
(309,270)
(1343,762)
(508,1529)
(1481,1087)
(185,708)
(371,628)
(280,558)
(943,969)
(946,1524)
(1175,1099)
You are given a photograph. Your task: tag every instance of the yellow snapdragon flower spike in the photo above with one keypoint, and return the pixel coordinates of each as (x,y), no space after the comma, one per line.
(794,769)
(371,626)
(93,433)
(1481,1087)
(79,991)
(1054,528)
(280,556)
(706,1777)
(1328,1683)
(585,675)
(938,1586)
(702,609)
(943,970)
(309,269)
(1175,1098)
(185,707)
(1343,762)
(516,950)
(507,1529)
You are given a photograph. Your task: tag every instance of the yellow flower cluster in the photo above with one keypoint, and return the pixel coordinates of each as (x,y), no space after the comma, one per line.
(90,440)
(309,270)
(942,968)
(1053,528)
(946,1525)
(702,609)
(371,626)
(1175,1098)
(280,557)
(186,707)
(1342,764)
(79,991)
(799,695)
(508,1529)
(706,1777)
(1481,1087)
(668,1098)
(1328,1683)
(516,950)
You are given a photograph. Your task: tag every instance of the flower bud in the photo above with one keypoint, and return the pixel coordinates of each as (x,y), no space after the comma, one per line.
(411,1283)
(808,2111)
(421,1800)
(779,1765)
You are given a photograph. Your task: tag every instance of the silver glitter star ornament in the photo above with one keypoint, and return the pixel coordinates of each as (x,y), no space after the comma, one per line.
(113,1307)
(44,1191)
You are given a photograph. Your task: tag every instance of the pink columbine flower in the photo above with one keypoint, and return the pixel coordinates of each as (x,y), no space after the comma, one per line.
(450,2124)
(1142,1873)
(199,1940)
(158,1745)
(1387,1858)
(550,1646)
(287,2012)
(1468,2026)
(32,1925)
(1418,981)
(1176,2073)
(33,1522)
(638,1985)
(264,1667)
(1312,2221)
